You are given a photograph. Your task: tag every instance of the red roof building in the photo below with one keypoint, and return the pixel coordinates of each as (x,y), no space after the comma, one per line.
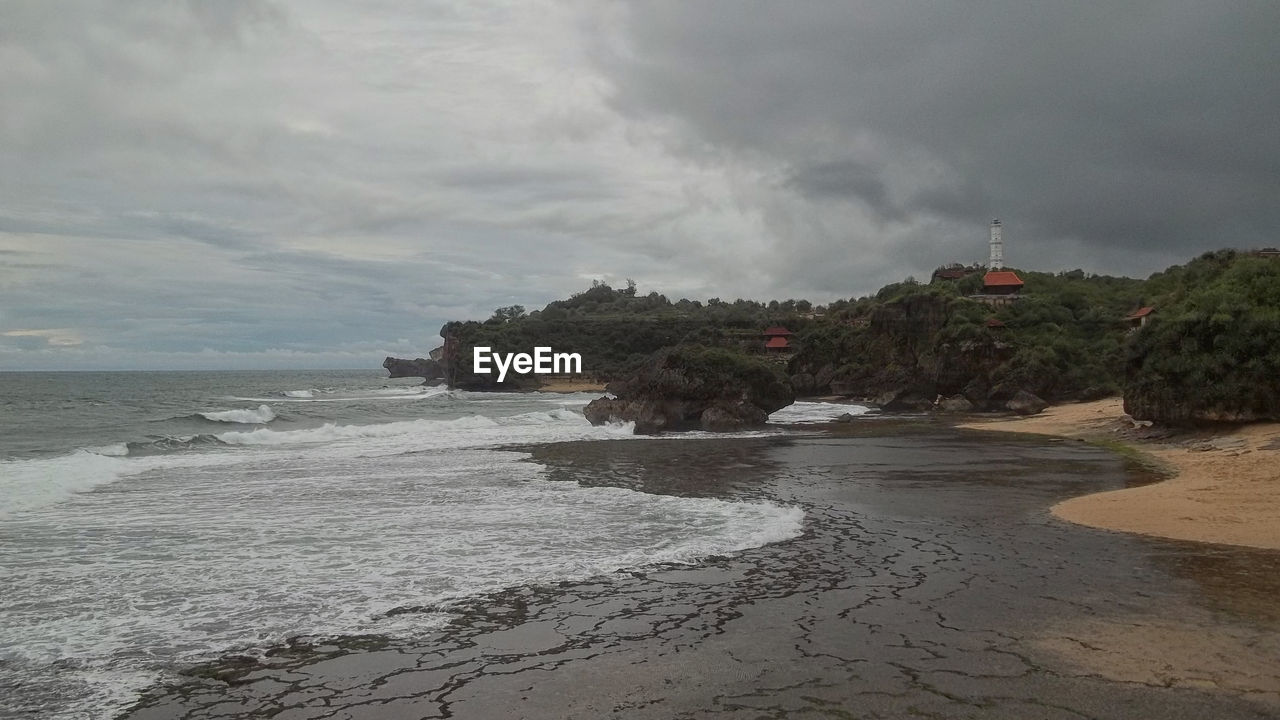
(994,323)
(1001,282)
(1139,317)
(777,343)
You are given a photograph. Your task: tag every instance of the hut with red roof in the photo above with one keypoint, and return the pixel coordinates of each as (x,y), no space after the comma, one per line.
(777,339)
(1000,287)
(1139,317)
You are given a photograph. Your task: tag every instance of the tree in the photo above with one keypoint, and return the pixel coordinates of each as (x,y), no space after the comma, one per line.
(507,314)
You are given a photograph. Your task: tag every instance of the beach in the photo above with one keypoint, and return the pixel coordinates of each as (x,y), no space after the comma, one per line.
(1223,484)
(929,580)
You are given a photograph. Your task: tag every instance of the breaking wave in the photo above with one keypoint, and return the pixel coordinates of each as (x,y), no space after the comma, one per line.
(262,415)
(815,412)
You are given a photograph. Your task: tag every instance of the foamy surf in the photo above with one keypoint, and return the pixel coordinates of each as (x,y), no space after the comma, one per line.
(250,416)
(318,525)
(393,394)
(280,543)
(803,411)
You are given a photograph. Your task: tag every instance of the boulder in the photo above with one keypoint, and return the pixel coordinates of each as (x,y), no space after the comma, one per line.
(846,418)
(649,417)
(956,404)
(902,399)
(1024,403)
(886,399)
(726,417)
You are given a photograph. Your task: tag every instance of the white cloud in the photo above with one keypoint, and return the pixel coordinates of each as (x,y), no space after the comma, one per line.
(251,181)
(54,337)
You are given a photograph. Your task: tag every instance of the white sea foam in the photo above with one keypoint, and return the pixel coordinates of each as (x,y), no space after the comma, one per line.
(289,540)
(803,411)
(27,485)
(250,416)
(415,392)
(258,535)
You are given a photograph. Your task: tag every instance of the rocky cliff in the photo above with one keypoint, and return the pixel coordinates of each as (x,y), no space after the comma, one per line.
(429,370)
(912,351)
(695,387)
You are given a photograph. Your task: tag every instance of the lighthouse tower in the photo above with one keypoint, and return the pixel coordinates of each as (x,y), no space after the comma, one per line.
(997,247)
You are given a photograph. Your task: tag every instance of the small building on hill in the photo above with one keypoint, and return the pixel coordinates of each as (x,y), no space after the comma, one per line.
(995,324)
(1000,287)
(1139,317)
(777,339)
(1001,282)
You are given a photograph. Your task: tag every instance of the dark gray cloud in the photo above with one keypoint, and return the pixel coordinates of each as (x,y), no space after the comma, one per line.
(249,182)
(1143,128)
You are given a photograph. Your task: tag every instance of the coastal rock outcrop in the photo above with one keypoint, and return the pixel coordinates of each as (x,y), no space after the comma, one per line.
(694,387)
(956,404)
(418,367)
(1024,403)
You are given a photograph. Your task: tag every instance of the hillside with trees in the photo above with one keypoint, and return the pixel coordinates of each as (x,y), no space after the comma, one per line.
(1208,352)
(1212,351)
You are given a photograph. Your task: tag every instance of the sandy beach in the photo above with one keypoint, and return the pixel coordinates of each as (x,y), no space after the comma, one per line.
(1224,485)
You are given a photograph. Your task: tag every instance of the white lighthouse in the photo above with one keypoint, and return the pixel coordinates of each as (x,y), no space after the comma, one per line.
(997,247)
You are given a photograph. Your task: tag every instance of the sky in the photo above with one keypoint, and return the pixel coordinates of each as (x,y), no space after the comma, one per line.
(209,184)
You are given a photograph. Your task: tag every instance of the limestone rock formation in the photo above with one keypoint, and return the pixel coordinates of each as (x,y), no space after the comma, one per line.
(418,367)
(1024,403)
(691,387)
(956,404)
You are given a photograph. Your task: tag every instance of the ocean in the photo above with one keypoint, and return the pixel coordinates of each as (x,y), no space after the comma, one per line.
(152,520)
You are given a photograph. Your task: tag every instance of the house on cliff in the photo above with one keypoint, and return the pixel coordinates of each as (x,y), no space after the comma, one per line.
(777,339)
(1000,287)
(1138,318)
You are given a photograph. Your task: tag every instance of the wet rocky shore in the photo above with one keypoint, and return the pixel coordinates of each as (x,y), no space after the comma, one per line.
(930,581)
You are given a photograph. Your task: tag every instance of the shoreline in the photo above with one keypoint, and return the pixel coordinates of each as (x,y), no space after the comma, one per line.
(920,585)
(1223,486)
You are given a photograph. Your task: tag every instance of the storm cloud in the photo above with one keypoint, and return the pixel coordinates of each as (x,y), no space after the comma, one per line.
(248,183)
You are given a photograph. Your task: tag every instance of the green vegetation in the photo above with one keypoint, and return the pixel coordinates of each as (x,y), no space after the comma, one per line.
(1212,351)
(1062,340)
(615,330)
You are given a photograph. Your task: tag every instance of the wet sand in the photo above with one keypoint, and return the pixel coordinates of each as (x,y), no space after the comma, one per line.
(1224,485)
(930,581)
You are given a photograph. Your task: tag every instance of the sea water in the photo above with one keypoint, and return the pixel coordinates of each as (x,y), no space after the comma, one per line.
(153,520)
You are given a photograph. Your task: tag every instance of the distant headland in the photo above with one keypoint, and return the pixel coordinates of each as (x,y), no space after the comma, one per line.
(1198,342)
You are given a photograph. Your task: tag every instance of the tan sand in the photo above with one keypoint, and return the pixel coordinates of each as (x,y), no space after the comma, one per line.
(1225,486)
(571,385)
